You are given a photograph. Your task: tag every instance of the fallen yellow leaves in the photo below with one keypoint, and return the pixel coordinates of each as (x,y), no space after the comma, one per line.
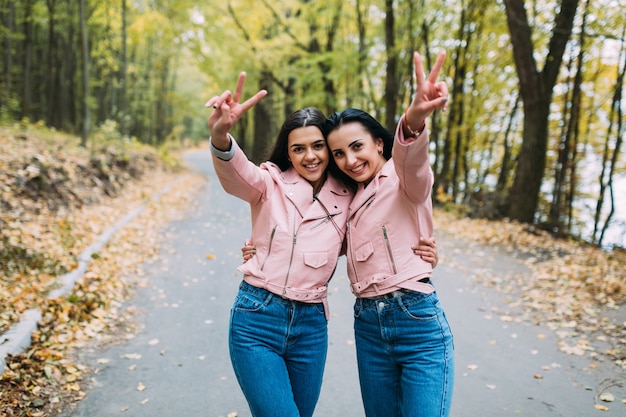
(42,231)
(571,286)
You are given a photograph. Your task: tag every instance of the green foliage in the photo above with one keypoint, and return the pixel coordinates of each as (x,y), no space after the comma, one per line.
(328,53)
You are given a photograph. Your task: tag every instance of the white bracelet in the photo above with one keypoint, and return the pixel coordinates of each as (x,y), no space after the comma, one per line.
(417,132)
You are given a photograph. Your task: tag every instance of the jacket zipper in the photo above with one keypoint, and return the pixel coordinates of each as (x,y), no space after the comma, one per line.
(329,217)
(269,248)
(293,246)
(393,262)
(321,223)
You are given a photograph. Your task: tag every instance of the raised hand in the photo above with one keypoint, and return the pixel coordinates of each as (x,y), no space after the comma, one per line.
(227,110)
(430,94)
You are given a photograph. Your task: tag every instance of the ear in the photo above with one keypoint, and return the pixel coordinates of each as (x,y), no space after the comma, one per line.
(380,145)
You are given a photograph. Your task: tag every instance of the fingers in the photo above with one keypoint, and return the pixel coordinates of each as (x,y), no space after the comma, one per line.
(247,250)
(431,94)
(233,100)
(249,103)
(434,72)
(239,89)
(419,68)
(427,250)
(423,250)
(428,241)
(217,101)
(442,89)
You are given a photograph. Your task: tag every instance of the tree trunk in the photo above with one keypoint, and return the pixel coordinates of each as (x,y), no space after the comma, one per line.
(123,99)
(330,91)
(28,60)
(85,53)
(616,115)
(562,195)
(8,20)
(454,141)
(392,82)
(506,158)
(67,88)
(263,134)
(51,73)
(536,91)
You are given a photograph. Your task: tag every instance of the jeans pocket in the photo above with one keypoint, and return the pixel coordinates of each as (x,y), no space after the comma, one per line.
(247,302)
(425,308)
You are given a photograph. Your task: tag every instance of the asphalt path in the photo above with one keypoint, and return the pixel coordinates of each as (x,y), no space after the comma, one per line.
(178,365)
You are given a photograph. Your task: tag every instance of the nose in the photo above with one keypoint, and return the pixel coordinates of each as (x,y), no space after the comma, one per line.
(309,155)
(350,159)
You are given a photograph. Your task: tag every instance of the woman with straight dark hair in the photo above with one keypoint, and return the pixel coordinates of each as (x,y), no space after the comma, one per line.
(278,328)
(404,344)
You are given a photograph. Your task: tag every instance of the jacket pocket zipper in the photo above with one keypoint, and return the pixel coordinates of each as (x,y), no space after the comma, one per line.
(293,246)
(321,223)
(388,244)
(269,248)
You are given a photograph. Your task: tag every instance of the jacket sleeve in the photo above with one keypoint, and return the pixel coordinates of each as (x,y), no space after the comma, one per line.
(410,159)
(241,177)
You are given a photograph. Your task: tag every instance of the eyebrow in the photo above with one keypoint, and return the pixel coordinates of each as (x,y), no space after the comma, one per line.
(349,145)
(314,143)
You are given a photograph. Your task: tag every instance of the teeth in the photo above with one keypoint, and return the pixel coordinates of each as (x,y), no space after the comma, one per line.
(359,168)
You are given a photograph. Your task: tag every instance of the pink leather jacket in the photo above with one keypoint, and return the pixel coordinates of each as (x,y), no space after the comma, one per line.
(385,219)
(298,238)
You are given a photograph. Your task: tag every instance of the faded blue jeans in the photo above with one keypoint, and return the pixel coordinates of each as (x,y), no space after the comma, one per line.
(405,355)
(278,351)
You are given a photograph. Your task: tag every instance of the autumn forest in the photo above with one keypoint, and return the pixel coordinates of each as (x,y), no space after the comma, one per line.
(534,130)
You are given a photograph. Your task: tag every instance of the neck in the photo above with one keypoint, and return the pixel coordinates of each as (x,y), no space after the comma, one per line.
(317,186)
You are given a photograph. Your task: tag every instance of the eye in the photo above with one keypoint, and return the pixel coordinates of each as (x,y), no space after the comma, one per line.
(357,146)
(337,154)
(319,146)
(297,149)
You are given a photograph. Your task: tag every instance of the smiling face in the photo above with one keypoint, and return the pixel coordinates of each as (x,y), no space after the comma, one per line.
(356,152)
(308,154)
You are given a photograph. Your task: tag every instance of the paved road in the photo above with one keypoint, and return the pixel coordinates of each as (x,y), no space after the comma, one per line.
(178,364)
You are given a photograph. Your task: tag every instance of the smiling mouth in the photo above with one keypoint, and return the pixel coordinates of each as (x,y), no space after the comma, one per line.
(312,166)
(358,170)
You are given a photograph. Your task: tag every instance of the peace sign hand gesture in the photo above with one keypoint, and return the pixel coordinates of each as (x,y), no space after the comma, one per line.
(227,111)
(429,95)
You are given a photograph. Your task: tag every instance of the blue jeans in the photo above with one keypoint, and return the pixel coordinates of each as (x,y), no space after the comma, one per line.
(278,351)
(405,355)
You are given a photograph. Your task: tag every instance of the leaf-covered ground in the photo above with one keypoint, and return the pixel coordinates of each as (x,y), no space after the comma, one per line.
(56,198)
(577,290)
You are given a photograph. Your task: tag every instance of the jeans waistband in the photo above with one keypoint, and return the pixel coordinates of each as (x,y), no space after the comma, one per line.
(263,293)
(397,293)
